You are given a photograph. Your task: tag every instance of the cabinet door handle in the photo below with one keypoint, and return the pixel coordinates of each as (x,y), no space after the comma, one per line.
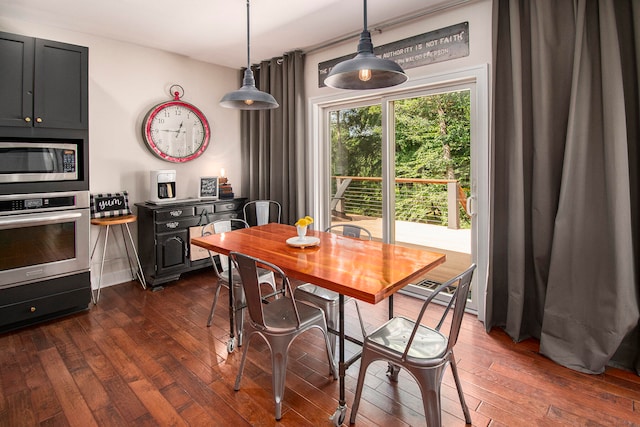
(172,224)
(185,246)
(39,119)
(175,213)
(33,309)
(27,119)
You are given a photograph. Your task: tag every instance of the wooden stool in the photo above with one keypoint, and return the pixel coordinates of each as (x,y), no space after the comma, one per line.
(108,222)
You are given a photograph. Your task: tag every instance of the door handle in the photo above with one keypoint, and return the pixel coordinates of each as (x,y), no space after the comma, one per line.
(471,206)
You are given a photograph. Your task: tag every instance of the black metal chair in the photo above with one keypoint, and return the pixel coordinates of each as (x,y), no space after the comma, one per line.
(278,318)
(423,351)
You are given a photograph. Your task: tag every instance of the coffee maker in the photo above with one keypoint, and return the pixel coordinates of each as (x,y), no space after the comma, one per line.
(162,186)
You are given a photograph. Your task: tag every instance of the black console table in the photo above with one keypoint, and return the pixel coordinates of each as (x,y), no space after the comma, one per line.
(163,235)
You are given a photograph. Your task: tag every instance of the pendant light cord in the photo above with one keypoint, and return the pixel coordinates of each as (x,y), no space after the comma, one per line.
(365,15)
(248,97)
(249,39)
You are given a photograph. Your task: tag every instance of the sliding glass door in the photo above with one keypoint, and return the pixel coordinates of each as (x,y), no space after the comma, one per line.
(432,138)
(402,166)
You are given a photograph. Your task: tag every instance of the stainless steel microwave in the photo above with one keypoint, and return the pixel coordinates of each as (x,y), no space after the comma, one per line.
(38,161)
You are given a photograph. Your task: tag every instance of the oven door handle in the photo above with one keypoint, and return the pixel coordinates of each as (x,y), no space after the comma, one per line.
(37,219)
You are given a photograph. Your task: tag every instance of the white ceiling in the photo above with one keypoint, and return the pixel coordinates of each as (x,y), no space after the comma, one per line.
(215,30)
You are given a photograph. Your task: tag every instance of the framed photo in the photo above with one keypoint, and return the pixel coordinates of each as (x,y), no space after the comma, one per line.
(208,187)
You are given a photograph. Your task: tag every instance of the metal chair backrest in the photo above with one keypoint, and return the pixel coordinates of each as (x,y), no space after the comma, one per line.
(261,212)
(247,266)
(458,302)
(217,227)
(351,230)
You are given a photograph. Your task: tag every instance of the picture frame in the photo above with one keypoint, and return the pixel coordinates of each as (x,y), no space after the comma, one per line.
(209,187)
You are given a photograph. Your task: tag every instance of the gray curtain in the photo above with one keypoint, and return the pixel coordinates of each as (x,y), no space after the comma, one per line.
(272,141)
(565,247)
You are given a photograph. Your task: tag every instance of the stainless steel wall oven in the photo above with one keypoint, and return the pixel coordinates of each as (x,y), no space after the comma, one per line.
(44,256)
(42,236)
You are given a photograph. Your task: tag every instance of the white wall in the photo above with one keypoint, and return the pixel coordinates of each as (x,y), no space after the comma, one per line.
(125,81)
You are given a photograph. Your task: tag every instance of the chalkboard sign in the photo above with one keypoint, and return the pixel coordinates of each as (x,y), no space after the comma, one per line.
(109,205)
(208,187)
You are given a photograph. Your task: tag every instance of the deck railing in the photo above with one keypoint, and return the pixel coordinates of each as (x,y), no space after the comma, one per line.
(429,201)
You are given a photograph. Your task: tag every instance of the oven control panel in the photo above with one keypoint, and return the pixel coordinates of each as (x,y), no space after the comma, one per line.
(25,203)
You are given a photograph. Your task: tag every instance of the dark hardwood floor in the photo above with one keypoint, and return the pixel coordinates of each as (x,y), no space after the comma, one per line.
(147,359)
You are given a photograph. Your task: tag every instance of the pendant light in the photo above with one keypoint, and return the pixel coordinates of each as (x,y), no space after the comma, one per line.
(248,97)
(365,70)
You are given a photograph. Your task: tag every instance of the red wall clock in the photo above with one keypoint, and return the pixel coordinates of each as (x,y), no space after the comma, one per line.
(176,131)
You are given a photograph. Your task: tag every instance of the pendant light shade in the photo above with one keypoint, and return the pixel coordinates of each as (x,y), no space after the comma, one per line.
(365,70)
(248,97)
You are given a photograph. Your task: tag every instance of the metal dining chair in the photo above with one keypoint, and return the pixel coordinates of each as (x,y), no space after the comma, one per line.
(221,269)
(423,351)
(278,318)
(324,298)
(261,212)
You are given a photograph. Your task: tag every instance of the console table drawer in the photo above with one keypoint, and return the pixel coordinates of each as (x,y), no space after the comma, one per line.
(232,205)
(178,224)
(204,208)
(174,213)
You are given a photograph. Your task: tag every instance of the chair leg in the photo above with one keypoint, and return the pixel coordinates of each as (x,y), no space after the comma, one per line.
(365,361)
(279,373)
(330,354)
(332,339)
(429,381)
(93,251)
(236,387)
(215,302)
(126,250)
(139,272)
(465,408)
(104,254)
(240,326)
(238,307)
(364,332)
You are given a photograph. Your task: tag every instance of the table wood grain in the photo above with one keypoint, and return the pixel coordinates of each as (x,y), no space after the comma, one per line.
(367,270)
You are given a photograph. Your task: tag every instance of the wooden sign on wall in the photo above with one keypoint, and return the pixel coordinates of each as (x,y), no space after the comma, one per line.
(435,46)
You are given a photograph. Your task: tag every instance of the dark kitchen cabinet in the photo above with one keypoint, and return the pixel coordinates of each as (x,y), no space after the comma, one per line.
(44,83)
(172,250)
(45,300)
(164,243)
(44,98)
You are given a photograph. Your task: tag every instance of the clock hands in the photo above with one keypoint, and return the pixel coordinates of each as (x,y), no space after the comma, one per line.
(177,131)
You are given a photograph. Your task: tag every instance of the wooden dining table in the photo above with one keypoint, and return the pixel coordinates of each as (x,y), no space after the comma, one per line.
(369,271)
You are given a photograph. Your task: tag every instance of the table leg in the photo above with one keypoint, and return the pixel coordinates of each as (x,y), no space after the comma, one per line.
(339,416)
(392,370)
(231,344)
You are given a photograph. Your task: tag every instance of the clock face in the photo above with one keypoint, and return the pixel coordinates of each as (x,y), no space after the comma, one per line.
(176,131)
